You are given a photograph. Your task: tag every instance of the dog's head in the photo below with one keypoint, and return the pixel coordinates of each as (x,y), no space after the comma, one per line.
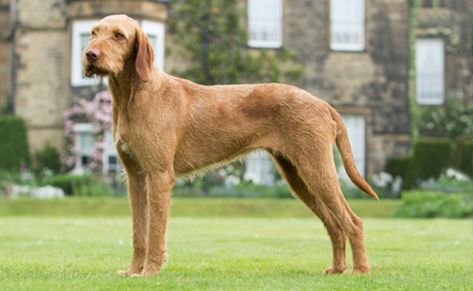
(115,42)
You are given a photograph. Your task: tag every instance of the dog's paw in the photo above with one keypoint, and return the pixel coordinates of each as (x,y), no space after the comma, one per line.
(123,273)
(357,270)
(332,270)
(129,272)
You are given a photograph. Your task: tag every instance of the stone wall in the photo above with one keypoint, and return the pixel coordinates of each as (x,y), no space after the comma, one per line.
(41,85)
(371,83)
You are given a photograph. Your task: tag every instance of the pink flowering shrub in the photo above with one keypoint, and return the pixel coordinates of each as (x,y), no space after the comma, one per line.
(97,112)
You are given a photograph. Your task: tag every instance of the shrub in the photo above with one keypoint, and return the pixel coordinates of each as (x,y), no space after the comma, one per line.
(452,120)
(14,143)
(463,158)
(431,157)
(47,158)
(85,185)
(397,166)
(448,183)
(435,204)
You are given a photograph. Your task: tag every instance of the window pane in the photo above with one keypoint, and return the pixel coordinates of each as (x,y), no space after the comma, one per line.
(265,23)
(430,70)
(347,23)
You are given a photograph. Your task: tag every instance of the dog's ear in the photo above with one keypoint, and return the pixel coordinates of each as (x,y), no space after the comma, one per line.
(144,61)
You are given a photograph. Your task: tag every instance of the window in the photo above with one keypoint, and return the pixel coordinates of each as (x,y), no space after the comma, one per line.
(430,68)
(265,23)
(84,144)
(80,37)
(347,24)
(111,164)
(155,33)
(356,134)
(259,168)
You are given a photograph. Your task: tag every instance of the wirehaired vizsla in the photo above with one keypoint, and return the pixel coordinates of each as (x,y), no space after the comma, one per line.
(164,127)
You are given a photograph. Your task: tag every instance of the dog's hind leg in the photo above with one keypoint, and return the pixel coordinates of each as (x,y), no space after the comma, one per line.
(335,232)
(317,170)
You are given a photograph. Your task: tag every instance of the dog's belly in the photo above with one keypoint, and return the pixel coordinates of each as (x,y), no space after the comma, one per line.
(199,156)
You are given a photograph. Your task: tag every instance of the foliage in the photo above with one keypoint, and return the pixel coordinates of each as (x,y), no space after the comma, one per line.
(431,157)
(435,204)
(14,150)
(451,120)
(47,159)
(463,157)
(214,41)
(449,182)
(397,166)
(76,185)
(98,112)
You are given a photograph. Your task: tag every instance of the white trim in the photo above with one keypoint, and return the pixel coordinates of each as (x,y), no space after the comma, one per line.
(80,27)
(82,127)
(430,71)
(347,25)
(80,130)
(156,29)
(265,23)
(109,151)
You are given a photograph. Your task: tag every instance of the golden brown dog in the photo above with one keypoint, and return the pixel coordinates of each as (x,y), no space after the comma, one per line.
(165,126)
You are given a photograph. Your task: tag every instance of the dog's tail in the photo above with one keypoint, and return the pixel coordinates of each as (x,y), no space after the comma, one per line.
(344,147)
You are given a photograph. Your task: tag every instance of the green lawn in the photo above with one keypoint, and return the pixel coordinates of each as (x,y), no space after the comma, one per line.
(185,207)
(83,253)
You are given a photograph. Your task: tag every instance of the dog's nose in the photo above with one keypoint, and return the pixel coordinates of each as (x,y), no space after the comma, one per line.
(92,55)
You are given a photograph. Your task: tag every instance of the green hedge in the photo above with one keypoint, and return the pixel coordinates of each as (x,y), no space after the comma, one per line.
(463,158)
(13,143)
(47,158)
(397,166)
(435,204)
(85,185)
(431,157)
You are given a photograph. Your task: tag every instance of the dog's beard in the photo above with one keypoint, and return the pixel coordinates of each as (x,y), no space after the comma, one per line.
(91,70)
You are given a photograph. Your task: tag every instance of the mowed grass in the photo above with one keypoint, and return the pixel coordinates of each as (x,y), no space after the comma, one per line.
(185,207)
(218,252)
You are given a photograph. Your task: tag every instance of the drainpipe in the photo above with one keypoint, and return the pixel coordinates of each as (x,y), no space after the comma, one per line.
(14,61)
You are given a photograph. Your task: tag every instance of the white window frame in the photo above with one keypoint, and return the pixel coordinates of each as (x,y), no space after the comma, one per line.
(347,19)
(110,151)
(80,27)
(157,30)
(79,129)
(356,129)
(265,20)
(259,168)
(430,71)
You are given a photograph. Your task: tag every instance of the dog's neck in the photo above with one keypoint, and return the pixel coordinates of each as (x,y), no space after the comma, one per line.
(123,85)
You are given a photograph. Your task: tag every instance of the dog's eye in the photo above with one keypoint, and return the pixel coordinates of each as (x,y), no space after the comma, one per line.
(119,35)
(93,33)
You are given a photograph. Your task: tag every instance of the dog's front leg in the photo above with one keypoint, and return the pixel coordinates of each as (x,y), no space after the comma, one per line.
(159,185)
(137,193)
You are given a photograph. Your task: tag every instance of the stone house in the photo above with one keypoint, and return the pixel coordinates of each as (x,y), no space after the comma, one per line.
(354,53)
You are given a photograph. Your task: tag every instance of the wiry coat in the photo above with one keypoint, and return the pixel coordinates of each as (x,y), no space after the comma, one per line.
(165,127)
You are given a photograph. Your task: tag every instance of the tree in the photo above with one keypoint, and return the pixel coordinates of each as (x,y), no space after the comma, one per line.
(213,39)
